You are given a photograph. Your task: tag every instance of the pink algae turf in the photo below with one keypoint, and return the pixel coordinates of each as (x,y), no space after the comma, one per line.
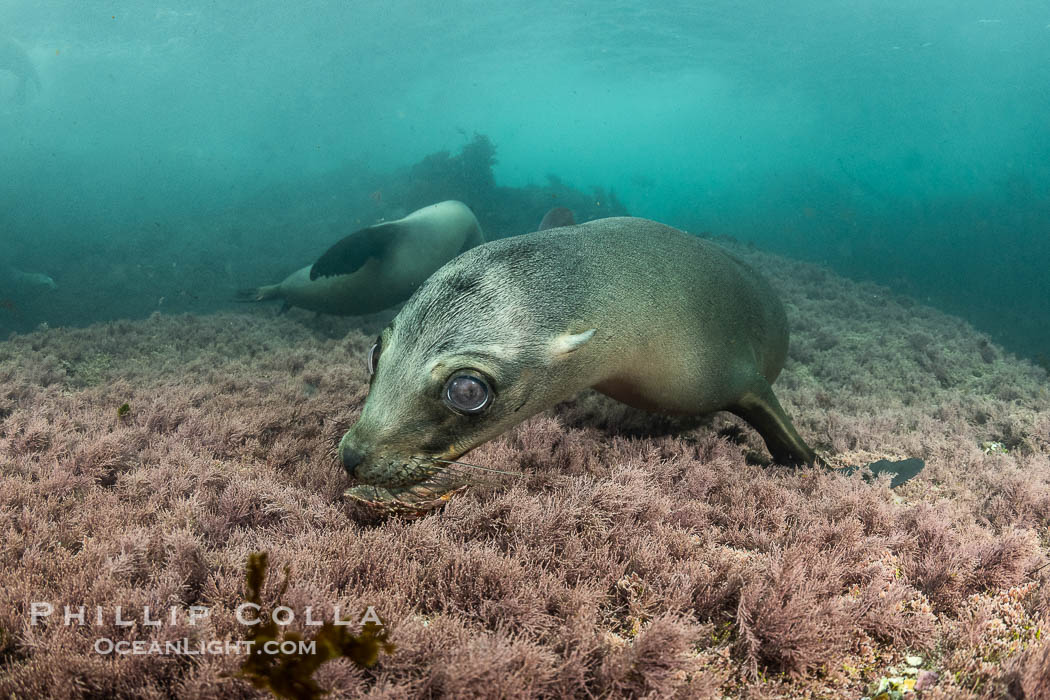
(626,562)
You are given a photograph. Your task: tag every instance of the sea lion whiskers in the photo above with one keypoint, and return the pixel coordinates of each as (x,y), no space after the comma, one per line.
(484,469)
(444,481)
(453,475)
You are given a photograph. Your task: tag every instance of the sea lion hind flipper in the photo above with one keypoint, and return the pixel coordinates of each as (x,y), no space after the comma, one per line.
(350,254)
(903,470)
(764,413)
(761,409)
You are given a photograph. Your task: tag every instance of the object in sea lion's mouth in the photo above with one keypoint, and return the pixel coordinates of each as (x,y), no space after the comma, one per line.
(412,502)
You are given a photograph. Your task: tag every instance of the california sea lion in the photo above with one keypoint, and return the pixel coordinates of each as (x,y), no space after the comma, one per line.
(639,311)
(557,218)
(29,281)
(379,266)
(13,58)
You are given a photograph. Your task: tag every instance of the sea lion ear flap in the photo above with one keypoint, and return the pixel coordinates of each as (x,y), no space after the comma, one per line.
(350,254)
(570,342)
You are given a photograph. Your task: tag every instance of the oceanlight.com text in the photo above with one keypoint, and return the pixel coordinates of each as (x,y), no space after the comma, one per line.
(186,647)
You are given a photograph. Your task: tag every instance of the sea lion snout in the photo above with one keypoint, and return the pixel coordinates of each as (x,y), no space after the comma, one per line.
(350,456)
(372,462)
(354,454)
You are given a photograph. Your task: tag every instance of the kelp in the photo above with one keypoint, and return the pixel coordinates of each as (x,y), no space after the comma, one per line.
(291,675)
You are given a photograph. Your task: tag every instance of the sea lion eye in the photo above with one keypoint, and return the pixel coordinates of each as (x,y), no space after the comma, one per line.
(467,393)
(373,356)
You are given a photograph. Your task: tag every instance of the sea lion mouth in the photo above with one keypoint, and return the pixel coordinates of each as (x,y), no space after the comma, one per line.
(408,487)
(425,484)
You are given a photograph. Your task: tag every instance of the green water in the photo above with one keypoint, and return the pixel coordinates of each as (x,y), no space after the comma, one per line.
(164,154)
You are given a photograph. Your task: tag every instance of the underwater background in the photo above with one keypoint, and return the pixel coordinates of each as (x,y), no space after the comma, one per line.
(166,154)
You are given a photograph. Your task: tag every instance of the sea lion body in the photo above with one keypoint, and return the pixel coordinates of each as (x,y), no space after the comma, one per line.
(640,311)
(361,293)
(389,261)
(27,281)
(15,60)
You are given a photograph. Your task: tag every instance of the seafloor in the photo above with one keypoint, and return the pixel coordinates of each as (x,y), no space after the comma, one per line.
(623,563)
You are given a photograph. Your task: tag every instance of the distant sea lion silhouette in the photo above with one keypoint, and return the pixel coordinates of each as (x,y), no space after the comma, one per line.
(14,59)
(644,313)
(19,280)
(557,218)
(379,266)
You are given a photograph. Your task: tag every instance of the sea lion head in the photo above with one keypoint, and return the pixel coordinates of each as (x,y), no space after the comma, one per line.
(470,355)
(39,279)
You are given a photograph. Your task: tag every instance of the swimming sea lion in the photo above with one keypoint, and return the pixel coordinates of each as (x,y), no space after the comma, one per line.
(13,58)
(379,266)
(557,218)
(28,281)
(639,311)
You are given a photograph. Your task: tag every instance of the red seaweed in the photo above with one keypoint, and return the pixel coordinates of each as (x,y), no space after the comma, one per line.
(632,557)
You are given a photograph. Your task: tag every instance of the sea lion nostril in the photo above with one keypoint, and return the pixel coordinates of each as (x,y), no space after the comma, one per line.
(351,458)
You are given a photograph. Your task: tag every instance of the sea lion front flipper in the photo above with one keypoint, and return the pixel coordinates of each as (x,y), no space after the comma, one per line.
(350,254)
(761,409)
